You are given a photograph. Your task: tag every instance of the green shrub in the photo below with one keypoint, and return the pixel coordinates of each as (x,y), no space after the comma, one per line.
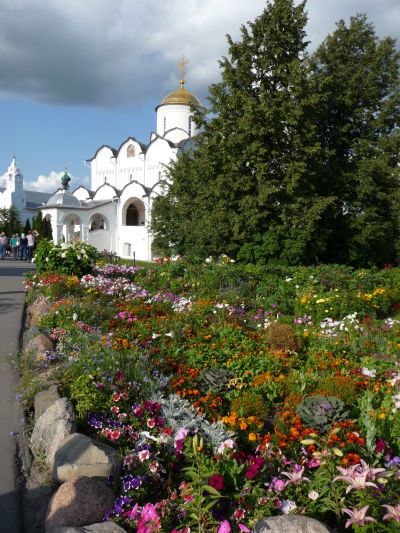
(75,258)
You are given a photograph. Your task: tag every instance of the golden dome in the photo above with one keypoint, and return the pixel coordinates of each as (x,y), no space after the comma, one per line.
(181,96)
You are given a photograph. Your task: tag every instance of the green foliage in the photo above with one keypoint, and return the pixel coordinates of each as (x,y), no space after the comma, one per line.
(203,495)
(27,226)
(356,78)
(87,397)
(75,258)
(10,222)
(228,195)
(42,227)
(300,156)
(320,412)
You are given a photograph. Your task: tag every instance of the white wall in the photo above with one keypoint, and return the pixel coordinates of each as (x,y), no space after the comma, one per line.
(102,239)
(138,239)
(103,168)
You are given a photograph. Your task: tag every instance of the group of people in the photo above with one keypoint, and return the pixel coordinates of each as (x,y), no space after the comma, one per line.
(18,247)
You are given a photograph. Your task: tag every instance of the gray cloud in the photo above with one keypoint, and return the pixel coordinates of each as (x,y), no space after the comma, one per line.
(109,52)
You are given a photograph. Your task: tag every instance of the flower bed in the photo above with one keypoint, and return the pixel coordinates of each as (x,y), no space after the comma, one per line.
(236,393)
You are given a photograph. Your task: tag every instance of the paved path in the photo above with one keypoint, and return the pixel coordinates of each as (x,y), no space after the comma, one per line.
(12,299)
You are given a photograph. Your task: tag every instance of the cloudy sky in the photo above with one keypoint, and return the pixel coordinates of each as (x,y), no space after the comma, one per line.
(78,74)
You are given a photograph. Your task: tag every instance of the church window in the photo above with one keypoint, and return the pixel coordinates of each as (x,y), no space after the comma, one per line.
(132,216)
(190,126)
(165,124)
(130,152)
(105,179)
(130,178)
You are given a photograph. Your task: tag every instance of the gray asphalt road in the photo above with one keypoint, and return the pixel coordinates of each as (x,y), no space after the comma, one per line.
(12,299)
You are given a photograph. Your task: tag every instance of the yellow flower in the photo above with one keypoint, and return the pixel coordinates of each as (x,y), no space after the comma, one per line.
(252,436)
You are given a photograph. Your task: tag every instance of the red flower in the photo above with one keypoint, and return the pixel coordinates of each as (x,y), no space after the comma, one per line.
(217,481)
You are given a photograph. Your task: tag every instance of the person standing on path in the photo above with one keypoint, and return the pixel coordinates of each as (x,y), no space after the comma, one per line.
(23,247)
(3,245)
(14,246)
(31,245)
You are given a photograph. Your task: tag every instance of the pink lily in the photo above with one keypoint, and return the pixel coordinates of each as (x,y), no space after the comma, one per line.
(393,514)
(358,516)
(296,476)
(356,481)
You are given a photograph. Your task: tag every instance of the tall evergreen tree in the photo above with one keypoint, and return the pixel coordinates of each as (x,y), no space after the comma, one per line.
(246,186)
(356,77)
(301,154)
(10,221)
(27,226)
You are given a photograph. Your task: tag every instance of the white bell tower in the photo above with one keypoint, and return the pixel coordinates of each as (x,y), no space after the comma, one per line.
(15,187)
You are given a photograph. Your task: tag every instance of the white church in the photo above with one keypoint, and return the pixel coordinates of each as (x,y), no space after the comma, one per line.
(115,213)
(14,194)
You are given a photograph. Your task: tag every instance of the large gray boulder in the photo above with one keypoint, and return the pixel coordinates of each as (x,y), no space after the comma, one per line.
(79,502)
(51,428)
(79,455)
(103,527)
(291,523)
(44,399)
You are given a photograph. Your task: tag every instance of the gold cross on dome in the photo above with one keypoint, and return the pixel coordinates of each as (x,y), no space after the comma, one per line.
(182,64)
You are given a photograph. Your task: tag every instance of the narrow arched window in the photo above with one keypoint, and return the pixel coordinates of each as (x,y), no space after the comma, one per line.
(165,124)
(132,216)
(130,151)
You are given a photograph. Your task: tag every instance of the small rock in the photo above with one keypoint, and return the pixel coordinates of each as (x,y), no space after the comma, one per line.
(79,455)
(79,502)
(29,334)
(44,399)
(103,527)
(51,428)
(291,523)
(38,346)
(39,307)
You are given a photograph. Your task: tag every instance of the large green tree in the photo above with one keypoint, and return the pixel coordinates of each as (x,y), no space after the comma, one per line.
(10,221)
(356,78)
(299,157)
(246,186)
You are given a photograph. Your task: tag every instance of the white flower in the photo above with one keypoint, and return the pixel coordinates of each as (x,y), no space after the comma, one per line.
(64,255)
(288,279)
(369,373)
(74,317)
(286,506)
(313,495)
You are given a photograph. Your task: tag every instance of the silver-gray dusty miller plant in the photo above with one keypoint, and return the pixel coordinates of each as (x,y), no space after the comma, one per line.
(179,413)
